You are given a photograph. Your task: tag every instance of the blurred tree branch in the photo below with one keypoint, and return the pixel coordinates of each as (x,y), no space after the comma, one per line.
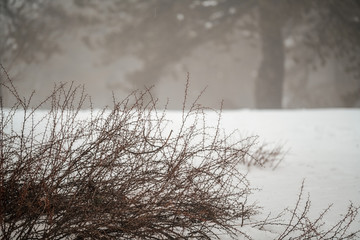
(162,32)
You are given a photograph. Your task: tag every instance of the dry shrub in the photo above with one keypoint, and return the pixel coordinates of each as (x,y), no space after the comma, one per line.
(116,173)
(296,223)
(122,172)
(265,155)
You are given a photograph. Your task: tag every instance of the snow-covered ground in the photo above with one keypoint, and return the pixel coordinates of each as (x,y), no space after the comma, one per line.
(323,148)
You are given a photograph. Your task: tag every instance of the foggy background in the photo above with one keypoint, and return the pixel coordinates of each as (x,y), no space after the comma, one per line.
(250,54)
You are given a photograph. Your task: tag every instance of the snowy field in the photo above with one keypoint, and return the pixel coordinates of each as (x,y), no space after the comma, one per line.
(323,148)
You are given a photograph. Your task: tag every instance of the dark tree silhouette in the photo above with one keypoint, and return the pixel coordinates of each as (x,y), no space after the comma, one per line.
(269,83)
(163,32)
(29,31)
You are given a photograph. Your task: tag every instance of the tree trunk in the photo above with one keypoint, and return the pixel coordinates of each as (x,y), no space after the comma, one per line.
(1,82)
(269,83)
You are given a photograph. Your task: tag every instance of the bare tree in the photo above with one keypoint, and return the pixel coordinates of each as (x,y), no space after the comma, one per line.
(163,32)
(29,31)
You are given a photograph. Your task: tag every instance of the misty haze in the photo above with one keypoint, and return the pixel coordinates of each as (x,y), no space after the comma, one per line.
(249,54)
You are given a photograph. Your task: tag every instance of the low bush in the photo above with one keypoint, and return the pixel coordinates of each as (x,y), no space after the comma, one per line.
(116,173)
(297,224)
(122,172)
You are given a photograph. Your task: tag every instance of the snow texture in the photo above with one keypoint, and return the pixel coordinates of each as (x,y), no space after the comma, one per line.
(323,147)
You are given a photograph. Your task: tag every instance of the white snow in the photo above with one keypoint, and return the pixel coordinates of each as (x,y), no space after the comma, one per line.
(323,147)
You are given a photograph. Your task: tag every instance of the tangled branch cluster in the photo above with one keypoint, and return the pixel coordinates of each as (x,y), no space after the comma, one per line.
(299,225)
(124,173)
(116,173)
